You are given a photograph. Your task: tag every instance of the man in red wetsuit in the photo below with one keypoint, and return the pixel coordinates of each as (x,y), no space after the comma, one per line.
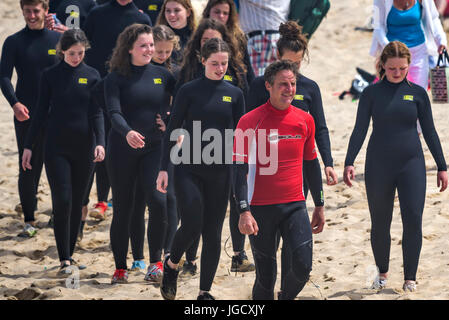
(273,146)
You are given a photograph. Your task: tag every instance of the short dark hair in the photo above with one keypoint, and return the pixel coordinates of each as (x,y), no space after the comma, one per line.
(272,70)
(69,38)
(45,3)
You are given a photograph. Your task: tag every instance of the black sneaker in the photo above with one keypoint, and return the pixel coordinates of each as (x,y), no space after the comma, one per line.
(189,269)
(205,296)
(169,281)
(240,263)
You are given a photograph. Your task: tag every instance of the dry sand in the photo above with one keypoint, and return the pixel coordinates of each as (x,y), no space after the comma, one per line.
(343,261)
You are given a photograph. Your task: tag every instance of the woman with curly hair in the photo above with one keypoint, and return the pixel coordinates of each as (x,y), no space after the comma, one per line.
(136,94)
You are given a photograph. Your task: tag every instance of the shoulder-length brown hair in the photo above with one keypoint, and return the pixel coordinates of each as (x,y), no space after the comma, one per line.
(192,59)
(232,24)
(120,61)
(187,5)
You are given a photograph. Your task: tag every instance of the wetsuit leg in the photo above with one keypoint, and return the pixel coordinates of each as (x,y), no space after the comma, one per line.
(380,191)
(172,210)
(189,196)
(58,169)
(82,167)
(156,202)
(411,193)
(137,224)
(192,251)
(264,247)
(297,237)
(122,166)
(216,194)
(29,180)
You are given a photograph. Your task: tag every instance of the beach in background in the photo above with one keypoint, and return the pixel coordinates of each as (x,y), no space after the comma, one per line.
(343,264)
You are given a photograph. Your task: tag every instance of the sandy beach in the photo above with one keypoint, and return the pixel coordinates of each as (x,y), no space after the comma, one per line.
(343,262)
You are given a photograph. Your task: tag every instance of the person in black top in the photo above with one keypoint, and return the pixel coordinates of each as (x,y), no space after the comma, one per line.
(207,107)
(180,17)
(103,34)
(70,13)
(394,159)
(136,94)
(29,51)
(151,8)
(65,99)
(164,42)
(191,69)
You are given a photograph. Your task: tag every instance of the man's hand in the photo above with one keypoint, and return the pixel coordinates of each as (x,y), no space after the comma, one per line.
(247,224)
(21,112)
(331,176)
(318,220)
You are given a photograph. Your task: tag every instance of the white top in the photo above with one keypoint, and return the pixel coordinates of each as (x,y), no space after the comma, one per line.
(262,14)
(433,30)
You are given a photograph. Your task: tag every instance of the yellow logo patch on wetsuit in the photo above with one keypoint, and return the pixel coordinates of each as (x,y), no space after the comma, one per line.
(74,14)
(227,99)
(299,97)
(227,78)
(408,97)
(157,81)
(152,7)
(52,52)
(82,80)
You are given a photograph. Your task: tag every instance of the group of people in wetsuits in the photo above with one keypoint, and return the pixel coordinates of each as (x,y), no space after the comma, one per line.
(160,123)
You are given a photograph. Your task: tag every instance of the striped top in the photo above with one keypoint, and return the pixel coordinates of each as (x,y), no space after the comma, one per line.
(263,15)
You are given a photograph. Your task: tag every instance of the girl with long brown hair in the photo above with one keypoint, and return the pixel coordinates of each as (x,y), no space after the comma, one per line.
(136,93)
(180,17)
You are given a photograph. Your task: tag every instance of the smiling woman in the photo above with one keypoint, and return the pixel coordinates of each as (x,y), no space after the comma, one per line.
(137,93)
(180,17)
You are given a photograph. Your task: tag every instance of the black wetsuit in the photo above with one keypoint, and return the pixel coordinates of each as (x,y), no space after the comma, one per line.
(29,52)
(65,99)
(151,8)
(137,227)
(202,190)
(132,103)
(395,160)
(102,35)
(76,16)
(230,77)
(184,35)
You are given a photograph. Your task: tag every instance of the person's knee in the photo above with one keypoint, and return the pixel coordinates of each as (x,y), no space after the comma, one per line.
(302,261)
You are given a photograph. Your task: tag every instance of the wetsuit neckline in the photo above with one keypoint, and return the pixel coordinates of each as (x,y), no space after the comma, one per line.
(276,111)
(182,32)
(392,84)
(69,67)
(138,69)
(34,31)
(213,82)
